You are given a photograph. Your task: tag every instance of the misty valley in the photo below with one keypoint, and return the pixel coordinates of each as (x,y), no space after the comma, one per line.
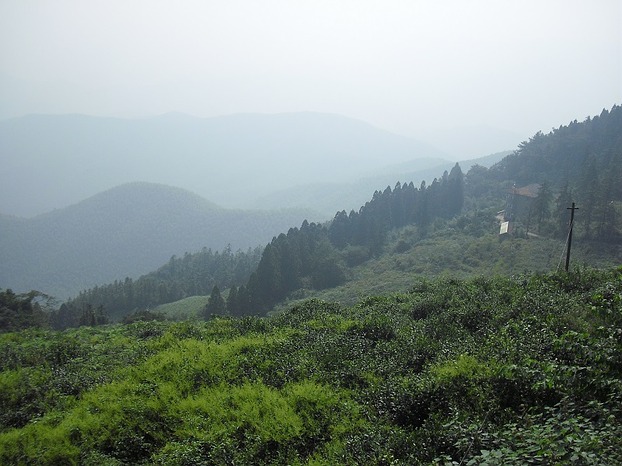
(344,296)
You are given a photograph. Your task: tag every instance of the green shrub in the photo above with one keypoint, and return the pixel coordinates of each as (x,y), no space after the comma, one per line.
(489,370)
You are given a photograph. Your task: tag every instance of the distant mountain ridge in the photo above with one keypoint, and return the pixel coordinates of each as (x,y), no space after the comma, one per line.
(51,161)
(125,231)
(329,198)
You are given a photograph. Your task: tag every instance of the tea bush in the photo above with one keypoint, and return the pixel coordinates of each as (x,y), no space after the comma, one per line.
(489,370)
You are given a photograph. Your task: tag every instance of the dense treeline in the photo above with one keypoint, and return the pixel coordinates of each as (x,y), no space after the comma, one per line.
(20,311)
(581,163)
(129,230)
(567,152)
(486,371)
(312,256)
(316,256)
(191,275)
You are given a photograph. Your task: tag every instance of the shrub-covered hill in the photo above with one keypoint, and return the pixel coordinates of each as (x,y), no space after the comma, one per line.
(522,370)
(463,247)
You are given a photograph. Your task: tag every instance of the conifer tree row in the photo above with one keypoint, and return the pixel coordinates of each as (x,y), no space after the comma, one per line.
(191,275)
(314,255)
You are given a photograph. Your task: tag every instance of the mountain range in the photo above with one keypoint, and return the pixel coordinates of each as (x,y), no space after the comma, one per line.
(51,161)
(133,228)
(125,231)
(328,198)
(284,168)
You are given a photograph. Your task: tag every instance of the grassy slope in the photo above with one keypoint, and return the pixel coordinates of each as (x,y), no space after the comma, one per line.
(451,251)
(479,371)
(187,308)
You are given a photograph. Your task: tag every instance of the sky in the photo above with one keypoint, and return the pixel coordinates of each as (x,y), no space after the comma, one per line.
(407,66)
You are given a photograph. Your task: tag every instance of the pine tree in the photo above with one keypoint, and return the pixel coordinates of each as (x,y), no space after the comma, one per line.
(563,201)
(587,193)
(270,281)
(232,301)
(243,302)
(455,186)
(338,230)
(215,305)
(422,207)
(542,204)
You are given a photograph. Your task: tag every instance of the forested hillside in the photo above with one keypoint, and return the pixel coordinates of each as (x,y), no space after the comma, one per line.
(127,231)
(316,256)
(461,247)
(566,153)
(485,365)
(393,235)
(190,275)
(312,256)
(487,371)
(580,162)
(467,207)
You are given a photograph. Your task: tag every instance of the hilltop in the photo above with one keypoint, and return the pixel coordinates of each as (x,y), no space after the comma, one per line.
(123,232)
(230,160)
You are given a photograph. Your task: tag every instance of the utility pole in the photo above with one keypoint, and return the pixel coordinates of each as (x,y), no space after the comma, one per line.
(571,209)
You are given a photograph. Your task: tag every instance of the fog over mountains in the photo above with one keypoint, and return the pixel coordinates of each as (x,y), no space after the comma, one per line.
(125,231)
(327,198)
(51,161)
(133,228)
(87,200)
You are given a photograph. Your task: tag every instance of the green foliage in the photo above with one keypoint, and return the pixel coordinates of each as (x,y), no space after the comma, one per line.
(487,370)
(127,231)
(590,152)
(191,275)
(316,255)
(487,365)
(450,224)
(456,249)
(216,304)
(21,311)
(187,308)
(144,315)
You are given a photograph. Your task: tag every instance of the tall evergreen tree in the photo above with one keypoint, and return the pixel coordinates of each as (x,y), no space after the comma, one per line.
(270,280)
(542,204)
(243,306)
(215,304)
(422,210)
(398,218)
(455,187)
(587,194)
(232,301)
(339,230)
(563,201)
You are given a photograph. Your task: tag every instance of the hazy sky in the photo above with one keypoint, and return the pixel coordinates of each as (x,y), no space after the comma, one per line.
(406,66)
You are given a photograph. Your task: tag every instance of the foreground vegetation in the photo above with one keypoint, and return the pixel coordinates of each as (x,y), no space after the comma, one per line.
(465,246)
(486,370)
